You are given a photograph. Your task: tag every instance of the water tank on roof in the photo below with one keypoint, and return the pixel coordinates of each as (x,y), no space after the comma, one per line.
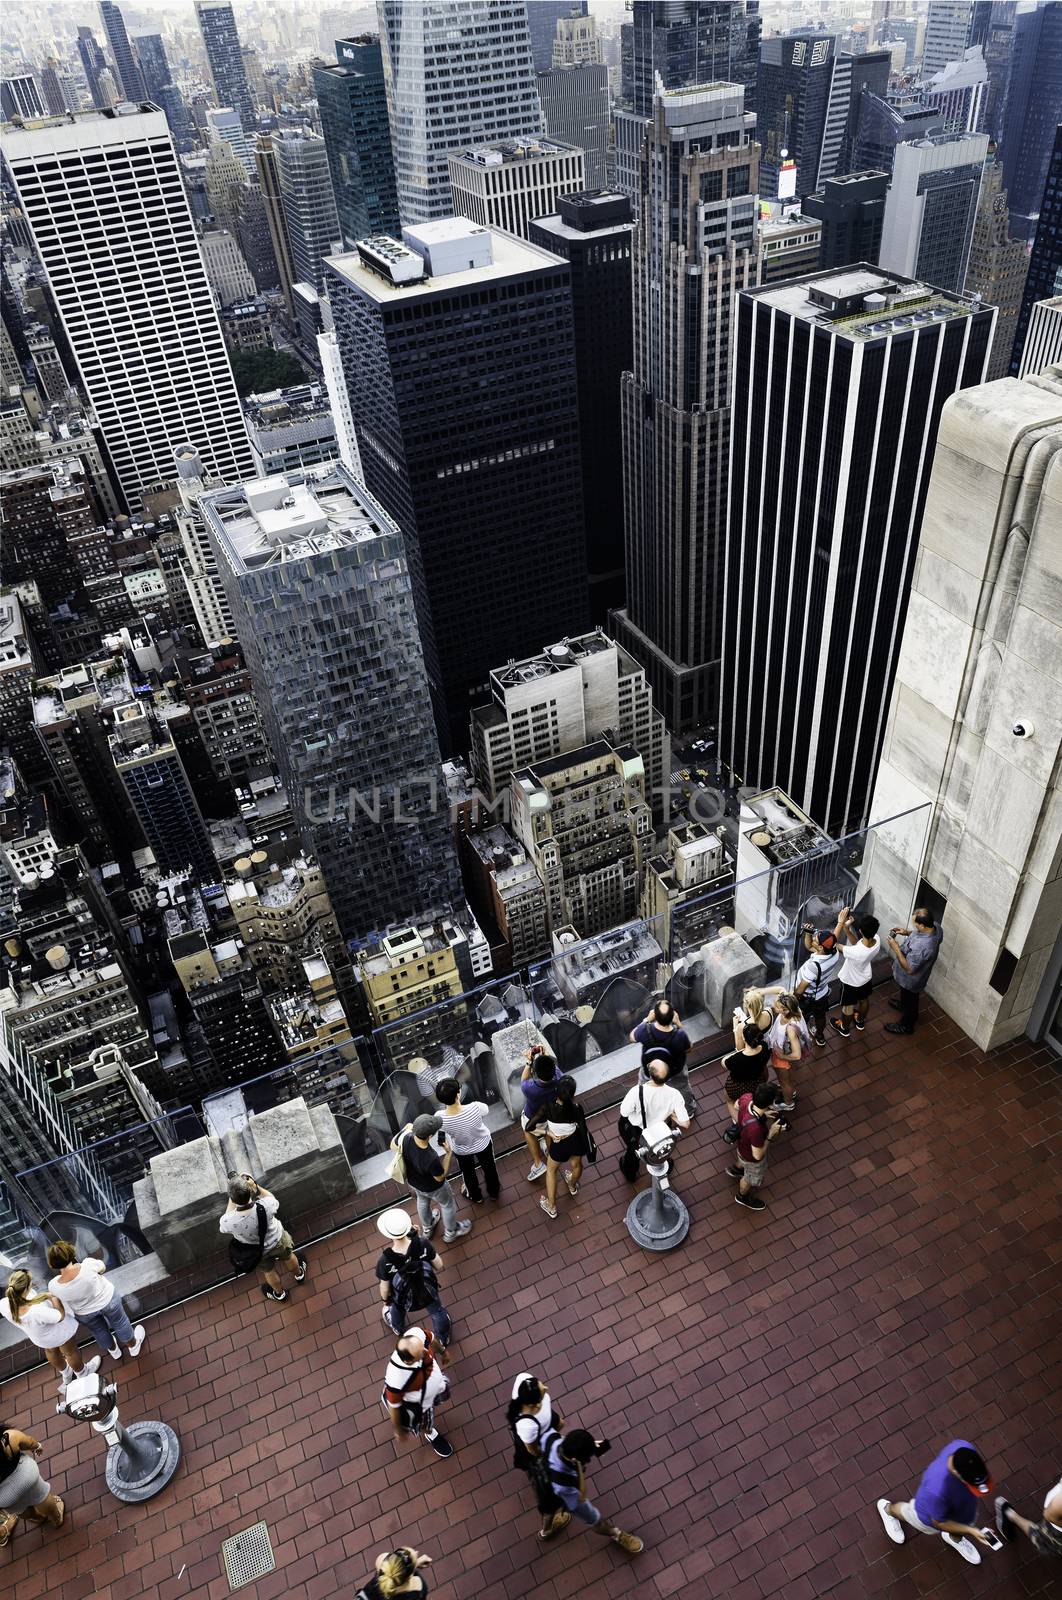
(874,302)
(243,866)
(258,858)
(58,957)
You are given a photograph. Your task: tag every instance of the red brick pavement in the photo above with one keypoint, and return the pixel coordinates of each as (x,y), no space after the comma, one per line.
(763,1384)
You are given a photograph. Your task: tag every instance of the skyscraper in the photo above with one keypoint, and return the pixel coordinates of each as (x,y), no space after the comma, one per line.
(575,41)
(347,711)
(576,110)
(504,185)
(839,382)
(153,776)
(851,210)
(796,100)
(882,124)
(869,73)
(225,59)
(265,160)
(104,198)
(20,96)
(154,67)
(353,105)
(998,266)
(1044,279)
(446,92)
(952,25)
(931,206)
(696,244)
(480,464)
(130,78)
(595,233)
(309,207)
(542,18)
(689,42)
(93,61)
(959,92)
(1033,111)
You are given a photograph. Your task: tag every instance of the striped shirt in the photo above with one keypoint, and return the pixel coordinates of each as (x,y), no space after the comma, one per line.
(466,1128)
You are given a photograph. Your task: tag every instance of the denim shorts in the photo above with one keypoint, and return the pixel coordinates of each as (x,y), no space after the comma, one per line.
(586,1513)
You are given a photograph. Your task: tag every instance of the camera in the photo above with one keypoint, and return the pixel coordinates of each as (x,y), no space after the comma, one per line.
(1023,729)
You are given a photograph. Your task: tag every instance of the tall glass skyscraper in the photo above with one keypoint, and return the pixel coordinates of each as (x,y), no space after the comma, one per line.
(224,56)
(1045,264)
(353,106)
(130,78)
(309,207)
(688,42)
(1033,111)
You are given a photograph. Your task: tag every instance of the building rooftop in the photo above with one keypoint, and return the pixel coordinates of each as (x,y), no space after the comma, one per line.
(520,147)
(513,258)
(864,302)
(589,214)
(293,517)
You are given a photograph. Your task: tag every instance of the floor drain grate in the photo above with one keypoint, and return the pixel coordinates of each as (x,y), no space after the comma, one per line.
(248,1555)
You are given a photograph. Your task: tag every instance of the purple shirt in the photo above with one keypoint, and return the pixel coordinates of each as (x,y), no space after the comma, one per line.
(676,1041)
(942,1497)
(535,1092)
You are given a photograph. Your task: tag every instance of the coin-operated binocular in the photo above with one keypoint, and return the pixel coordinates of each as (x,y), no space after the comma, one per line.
(656,1218)
(142,1458)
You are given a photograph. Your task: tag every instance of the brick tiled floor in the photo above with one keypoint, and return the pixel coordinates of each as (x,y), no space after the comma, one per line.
(762,1385)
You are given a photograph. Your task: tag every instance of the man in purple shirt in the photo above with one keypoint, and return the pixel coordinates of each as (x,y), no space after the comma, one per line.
(663,1030)
(536,1086)
(945,1501)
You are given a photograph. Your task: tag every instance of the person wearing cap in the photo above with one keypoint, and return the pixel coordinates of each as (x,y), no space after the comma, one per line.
(414,1384)
(1045,1535)
(663,1030)
(566,1462)
(914,952)
(655,1099)
(407,1272)
(428,1175)
(813,978)
(241,1221)
(945,1501)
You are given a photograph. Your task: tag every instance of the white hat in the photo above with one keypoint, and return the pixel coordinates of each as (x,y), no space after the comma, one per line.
(395,1223)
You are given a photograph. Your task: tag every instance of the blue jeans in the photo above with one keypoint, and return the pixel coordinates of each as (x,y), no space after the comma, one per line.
(447,1205)
(110,1324)
(434,1313)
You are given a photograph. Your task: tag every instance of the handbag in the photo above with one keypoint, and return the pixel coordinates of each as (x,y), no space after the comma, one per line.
(591,1143)
(245,1257)
(397,1169)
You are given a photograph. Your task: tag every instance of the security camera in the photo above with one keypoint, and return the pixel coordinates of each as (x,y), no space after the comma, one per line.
(1023,729)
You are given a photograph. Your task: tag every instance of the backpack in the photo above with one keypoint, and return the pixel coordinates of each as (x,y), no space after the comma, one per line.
(245,1257)
(413,1286)
(397,1169)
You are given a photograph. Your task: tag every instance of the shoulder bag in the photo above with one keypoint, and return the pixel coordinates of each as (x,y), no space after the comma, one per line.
(245,1257)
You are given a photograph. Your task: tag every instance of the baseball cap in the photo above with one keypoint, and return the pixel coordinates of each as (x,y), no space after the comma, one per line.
(827,938)
(972,1470)
(394,1223)
(424,1126)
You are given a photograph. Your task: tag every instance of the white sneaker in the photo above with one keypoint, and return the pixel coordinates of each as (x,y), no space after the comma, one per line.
(115,1352)
(966,1547)
(93,1365)
(537,1171)
(139,1335)
(893,1525)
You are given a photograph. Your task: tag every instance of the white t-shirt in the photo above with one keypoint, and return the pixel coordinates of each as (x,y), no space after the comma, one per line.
(466,1128)
(398,1372)
(87,1292)
(43,1325)
(531,1427)
(243,1225)
(661,1102)
(857,960)
(817,971)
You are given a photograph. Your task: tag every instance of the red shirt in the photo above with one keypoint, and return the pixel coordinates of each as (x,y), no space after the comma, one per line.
(752,1129)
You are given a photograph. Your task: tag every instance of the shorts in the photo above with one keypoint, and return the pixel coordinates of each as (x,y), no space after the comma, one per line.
(567,1149)
(910,1516)
(1046,1539)
(284,1247)
(755,1171)
(852,994)
(783,1063)
(587,1513)
(734,1088)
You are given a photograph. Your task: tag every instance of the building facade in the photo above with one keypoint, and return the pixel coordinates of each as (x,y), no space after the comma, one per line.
(291,428)
(130,77)
(305,184)
(352,100)
(998,265)
(575,108)
(1044,278)
(506,185)
(227,271)
(931,208)
(851,210)
(1043,340)
(1033,112)
(542,21)
(791,247)
(221,40)
(796,102)
(687,42)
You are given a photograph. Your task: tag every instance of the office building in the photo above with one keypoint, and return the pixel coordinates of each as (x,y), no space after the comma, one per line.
(1033,111)
(305,185)
(575,41)
(269,183)
(567,696)
(223,126)
(131,296)
(481,466)
(146,760)
(20,96)
(339,403)
(998,265)
(931,206)
(543,19)
(1043,339)
(508,897)
(441,97)
(594,233)
(796,103)
(790,245)
(199,561)
(865,360)
(352,100)
(694,863)
(19,667)
(958,93)
(93,62)
(54,90)
(884,123)
(348,715)
(215,685)
(227,272)
(290,428)
(150,53)
(507,184)
(1044,278)
(869,74)
(130,78)
(230,1037)
(221,41)
(319,1047)
(282,915)
(951,25)
(998,49)
(406,971)
(696,244)
(952,736)
(689,42)
(575,108)
(851,210)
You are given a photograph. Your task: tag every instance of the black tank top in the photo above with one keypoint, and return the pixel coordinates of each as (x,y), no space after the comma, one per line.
(9,1458)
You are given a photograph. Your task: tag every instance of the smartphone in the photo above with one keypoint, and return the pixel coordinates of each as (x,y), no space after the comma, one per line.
(991,1538)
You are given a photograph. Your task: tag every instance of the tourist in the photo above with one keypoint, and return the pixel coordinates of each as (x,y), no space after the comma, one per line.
(465,1131)
(757,1125)
(656,1100)
(945,1501)
(414,1384)
(397,1572)
(428,1176)
(860,947)
(754,1009)
(1045,1535)
(786,1039)
(532,1420)
(407,1271)
(46,1323)
(540,1073)
(813,978)
(662,1029)
(746,1066)
(567,1461)
(23,1492)
(914,952)
(257,1237)
(568,1139)
(87,1295)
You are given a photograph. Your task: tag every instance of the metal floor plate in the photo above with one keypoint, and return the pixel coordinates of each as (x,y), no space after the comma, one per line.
(248,1555)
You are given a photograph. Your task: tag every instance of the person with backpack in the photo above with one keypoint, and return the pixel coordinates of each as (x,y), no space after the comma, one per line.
(257,1237)
(567,1460)
(786,1038)
(567,1139)
(414,1384)
(540,1074)
(663,1030)
(534,1425)
(814,976)
(654,1100)
(756,1128)
(397,1572)
(407,1272)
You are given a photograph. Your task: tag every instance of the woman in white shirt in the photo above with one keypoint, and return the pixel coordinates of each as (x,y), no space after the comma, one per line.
(465,1129)
(860,946)
(45,1323)
(85,1293)
(531,1417)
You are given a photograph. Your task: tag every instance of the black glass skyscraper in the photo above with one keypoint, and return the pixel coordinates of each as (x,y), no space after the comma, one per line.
(151,54)
(1033,111)
(793,92)
(225,59)
(689,42)
(1045,264)
(352,99)
(93,62)
(130,79)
